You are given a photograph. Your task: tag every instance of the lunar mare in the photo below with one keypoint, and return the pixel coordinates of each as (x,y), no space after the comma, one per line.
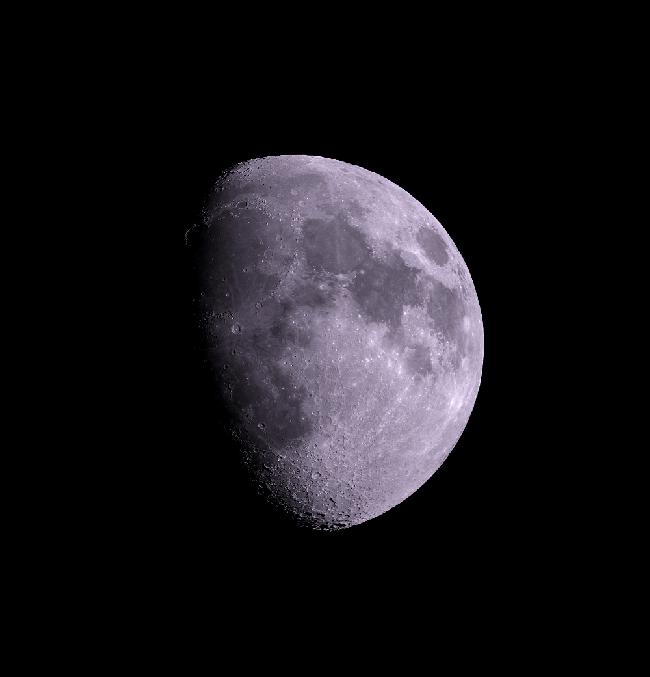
(343,331)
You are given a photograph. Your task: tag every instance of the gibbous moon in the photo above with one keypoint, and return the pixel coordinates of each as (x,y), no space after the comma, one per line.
(343,332)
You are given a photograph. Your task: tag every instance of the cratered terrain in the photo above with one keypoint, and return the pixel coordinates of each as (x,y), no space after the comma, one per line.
(343,333)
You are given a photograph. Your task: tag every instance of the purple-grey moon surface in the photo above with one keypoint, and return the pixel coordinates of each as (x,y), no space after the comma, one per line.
(343,332)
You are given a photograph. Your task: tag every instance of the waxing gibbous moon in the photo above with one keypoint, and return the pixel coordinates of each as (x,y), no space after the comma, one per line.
(343,332)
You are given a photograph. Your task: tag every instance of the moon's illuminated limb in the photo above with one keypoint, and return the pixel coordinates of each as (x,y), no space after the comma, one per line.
(344,331)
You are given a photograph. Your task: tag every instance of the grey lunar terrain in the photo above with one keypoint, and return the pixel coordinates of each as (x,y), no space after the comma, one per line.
(343,330)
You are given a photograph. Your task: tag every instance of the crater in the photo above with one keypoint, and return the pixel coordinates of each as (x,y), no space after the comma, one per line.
(433,245)
(285,420)
(270,395)
(227,253)
(265,184)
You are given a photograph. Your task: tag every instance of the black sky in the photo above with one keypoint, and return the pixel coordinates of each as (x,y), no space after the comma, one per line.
(486,165)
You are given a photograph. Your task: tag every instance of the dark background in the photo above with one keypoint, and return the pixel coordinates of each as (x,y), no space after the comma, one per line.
(501,130)
(489,170)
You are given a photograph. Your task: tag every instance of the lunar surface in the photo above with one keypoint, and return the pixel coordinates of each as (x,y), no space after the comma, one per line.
(343,332)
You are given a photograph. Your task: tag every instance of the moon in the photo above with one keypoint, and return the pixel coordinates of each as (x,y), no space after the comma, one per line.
(343,333)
